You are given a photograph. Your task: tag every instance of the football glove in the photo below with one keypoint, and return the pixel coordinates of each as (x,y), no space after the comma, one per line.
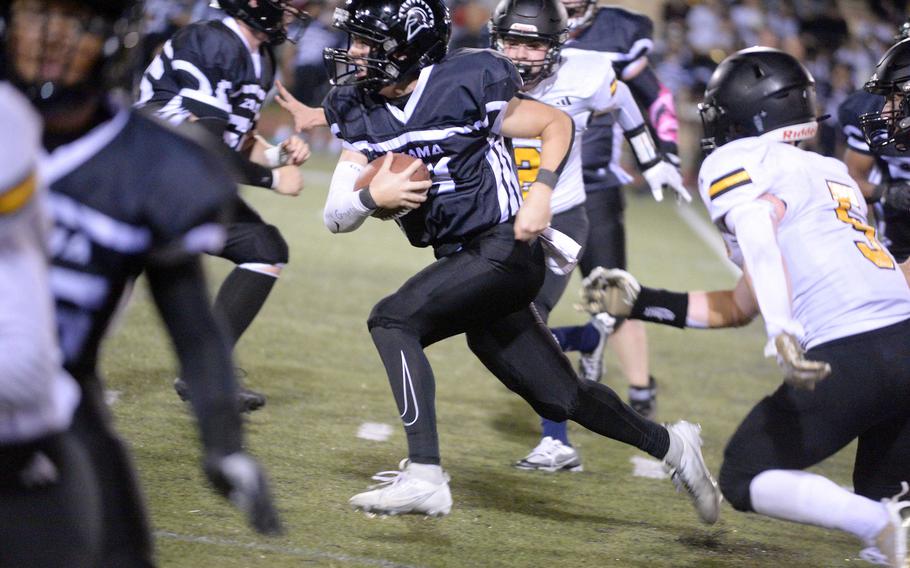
(609,290)
(897,195)
(662,175)
(799,372)
(240,479)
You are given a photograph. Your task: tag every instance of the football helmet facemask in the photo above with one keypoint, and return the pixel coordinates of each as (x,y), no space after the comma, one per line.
(277,19)
(891,79)
(404,37)
(757,91)
(530,21)
(92,48)
(579,12)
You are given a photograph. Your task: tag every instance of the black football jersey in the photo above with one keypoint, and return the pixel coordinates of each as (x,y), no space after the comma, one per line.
(128,194)
(624,36)
(206,70)
(451,121)
(891,164)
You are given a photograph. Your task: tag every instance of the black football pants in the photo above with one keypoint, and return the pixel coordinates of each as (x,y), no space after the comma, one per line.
(867,396)
(485,291)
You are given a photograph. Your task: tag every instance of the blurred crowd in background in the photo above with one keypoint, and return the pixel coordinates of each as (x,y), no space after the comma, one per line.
(839,41)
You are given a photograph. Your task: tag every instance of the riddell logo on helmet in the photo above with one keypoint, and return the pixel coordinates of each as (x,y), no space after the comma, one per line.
(801,132)
(418,16)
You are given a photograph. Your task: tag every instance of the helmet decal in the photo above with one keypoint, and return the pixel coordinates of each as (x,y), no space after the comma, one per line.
(417,15)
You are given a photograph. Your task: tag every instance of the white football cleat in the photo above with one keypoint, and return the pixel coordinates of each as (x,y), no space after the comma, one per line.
(691,473)
(890,546)
(591,365)
(415,488)
(551,455)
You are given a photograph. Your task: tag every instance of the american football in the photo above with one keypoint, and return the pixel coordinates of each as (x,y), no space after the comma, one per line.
(400,162)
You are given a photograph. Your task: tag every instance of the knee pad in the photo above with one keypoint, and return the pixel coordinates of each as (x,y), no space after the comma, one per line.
(735,487)
(384,314)
(273,246)
(255,244)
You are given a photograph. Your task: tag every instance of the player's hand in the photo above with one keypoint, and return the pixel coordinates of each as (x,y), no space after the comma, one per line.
(662,175)
(897,195)
(392,190)
(799,372)
(305,117)
(609,290)
(295,150)
(241,479)
(534,216)
(290,180)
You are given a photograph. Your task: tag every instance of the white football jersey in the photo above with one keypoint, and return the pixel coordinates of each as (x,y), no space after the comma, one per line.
(583,83)
(843,280)
(37,397)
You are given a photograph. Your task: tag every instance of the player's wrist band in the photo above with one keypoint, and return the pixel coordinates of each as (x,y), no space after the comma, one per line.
(643,147)
(367,199)
(276,178)
(547,177)
(661,306)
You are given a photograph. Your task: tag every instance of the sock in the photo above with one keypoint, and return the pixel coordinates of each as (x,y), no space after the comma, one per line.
(240,298)
(811,499)
(427,472)
(582,338)
(674,449)
(556,430)
(643,393)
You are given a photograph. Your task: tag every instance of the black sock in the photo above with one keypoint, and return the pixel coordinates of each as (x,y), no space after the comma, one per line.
(240,298)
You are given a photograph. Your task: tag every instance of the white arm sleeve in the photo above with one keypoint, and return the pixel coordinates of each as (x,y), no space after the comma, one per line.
(627,112)
(753,225)
(344,212)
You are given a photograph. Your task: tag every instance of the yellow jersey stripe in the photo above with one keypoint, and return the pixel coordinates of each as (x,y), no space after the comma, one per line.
(15,198)
(729,181)
(613,86)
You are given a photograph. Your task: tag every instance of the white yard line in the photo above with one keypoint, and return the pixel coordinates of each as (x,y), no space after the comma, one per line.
(308,553)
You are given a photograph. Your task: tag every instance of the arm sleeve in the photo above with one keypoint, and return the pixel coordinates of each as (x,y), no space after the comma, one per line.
(182,300)
(344,208)
(753,224)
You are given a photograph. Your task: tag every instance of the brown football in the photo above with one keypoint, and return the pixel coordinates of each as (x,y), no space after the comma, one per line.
(400,162)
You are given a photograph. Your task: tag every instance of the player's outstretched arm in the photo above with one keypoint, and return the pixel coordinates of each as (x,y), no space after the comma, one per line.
(182,299)
(525,118)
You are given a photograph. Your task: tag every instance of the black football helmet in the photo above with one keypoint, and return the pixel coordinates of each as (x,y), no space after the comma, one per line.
(891,79)
(404,37)
(579,12)
(755,91)
(43,66)
(268,17)
(531,20)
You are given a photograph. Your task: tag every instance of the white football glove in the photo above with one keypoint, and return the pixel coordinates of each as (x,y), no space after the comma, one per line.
(663,174)
(609,290)
(799,372)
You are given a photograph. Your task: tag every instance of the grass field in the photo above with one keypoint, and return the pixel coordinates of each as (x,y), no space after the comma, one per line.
(311,353)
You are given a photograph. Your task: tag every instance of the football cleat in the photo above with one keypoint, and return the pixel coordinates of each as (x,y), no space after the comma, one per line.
(409,490)
(644,400)
(247,399)
(551,455)
(890,546)
(591,364)
(691,473)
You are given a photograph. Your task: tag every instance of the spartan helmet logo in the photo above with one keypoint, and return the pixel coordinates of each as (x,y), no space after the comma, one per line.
(417,16)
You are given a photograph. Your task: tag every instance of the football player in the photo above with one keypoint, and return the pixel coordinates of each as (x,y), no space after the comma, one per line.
(50,514)
(836,310)
(580,82)
(624,37)
(217,73)
(883,172)
(118,213)
(397,90)
(887,137)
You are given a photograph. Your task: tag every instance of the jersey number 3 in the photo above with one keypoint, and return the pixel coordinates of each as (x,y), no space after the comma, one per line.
(870,248)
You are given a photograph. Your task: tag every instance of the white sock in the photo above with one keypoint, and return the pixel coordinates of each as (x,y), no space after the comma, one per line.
(811,499)
(675,450)
(427,472)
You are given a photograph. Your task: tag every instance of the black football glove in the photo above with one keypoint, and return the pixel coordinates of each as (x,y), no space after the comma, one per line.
(897,195)
(241,479)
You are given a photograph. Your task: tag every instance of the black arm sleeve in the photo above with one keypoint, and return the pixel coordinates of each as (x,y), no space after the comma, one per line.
(249,172)
(182,299)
